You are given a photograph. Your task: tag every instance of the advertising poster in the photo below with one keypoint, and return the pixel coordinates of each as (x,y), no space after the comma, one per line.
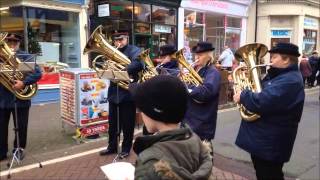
(93,105)
(68,97)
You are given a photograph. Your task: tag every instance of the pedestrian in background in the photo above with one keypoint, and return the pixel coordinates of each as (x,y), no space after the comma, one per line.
(270,138)
(305,68)
(313,60)
(226,58)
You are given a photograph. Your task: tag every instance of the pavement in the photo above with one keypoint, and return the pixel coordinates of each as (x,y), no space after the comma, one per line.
(87,167)
(61,156)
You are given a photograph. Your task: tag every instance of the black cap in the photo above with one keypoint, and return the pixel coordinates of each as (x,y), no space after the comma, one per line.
(162,98)
(286,48)
(167,50)
(14,37)
(119,34)
(202,47)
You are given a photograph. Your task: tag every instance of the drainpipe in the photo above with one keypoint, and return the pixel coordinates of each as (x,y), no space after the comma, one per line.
(256,22)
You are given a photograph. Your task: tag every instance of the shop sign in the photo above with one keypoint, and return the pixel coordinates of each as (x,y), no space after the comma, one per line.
(217,6)
(81,2)
(281,33)
(310,23)
(162,28)
(103,10)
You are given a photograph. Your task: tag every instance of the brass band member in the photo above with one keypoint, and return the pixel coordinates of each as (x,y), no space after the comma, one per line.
(120,99)
(270,138)
(7,104)
(167,64)
(203,100)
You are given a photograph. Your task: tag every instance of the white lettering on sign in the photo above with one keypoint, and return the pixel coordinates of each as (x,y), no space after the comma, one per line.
(223,7)
(310,23)
(103,10)
(162,28)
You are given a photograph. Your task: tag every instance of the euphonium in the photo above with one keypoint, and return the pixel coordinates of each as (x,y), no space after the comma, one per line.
(8,72)
(149,70)
(113,59)
(248,76)
(191,76)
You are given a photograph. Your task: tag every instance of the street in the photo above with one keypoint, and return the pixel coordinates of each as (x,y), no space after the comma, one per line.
(304,163)
(46,141)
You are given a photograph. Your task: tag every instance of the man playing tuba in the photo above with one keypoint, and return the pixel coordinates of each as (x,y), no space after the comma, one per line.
(270,138)
(120,100)
(7,101)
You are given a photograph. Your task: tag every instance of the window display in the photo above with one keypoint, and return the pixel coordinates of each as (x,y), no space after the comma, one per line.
(309,41)
(47,29)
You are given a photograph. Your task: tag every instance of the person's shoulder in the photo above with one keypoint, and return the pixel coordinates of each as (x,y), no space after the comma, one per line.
(133,47)
(151,153)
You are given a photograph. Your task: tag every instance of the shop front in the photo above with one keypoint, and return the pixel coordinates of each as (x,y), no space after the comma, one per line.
(219,22)
(310,34)
(151,24)
(51,32)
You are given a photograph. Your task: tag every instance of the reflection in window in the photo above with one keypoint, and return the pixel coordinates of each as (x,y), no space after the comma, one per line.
(57,33)
(162,35)
(234,22)
(11,21)
(163,15)
(121,9)
(111,25)
(142,12)
(233,38)
(143,28)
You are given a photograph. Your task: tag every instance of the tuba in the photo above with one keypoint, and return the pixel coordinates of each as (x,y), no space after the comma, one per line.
(247,76)
(191,76)
(149,70)
(8,72)
(112,59)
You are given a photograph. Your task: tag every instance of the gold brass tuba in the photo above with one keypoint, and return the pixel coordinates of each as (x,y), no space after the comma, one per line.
(113,59)
(150,70)
(190,77)
(248,76)
(8,72)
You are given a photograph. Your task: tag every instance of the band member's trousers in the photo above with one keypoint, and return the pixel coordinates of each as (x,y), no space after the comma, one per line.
(127,115)
(267,170)
(23,116)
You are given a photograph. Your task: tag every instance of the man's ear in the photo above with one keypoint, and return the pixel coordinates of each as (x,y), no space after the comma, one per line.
(286,61)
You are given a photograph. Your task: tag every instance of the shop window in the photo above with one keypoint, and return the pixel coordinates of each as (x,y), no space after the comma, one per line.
(162,35)
(11,21)
(142,12)
(110,25)
(55,34)
(233,22)
(121,9)
(309,41)
(233,38)
(164,15)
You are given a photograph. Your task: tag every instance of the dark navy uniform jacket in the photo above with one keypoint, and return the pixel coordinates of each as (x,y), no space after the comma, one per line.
(6,97)
(280,104)
(203,104)
(170,67)
(133,69)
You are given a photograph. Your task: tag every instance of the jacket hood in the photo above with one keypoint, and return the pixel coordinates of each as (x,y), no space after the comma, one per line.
(194,162)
